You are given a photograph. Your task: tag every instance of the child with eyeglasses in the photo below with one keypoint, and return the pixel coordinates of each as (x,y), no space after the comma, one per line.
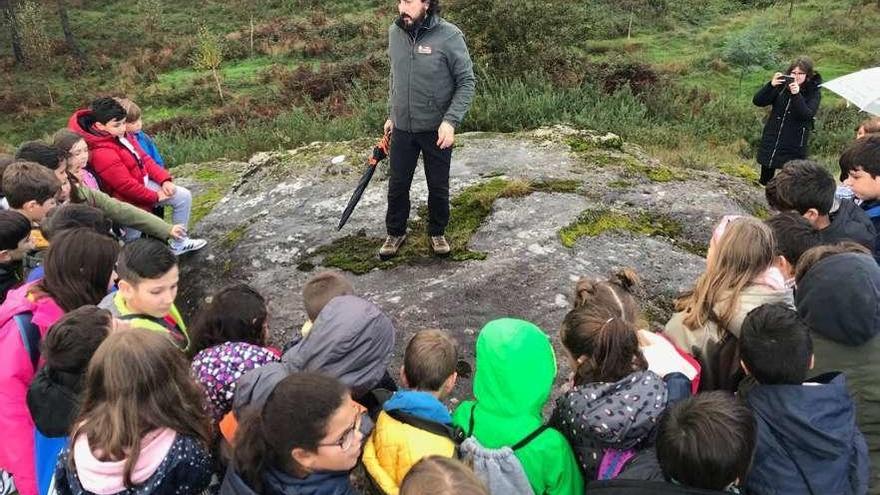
(305,439)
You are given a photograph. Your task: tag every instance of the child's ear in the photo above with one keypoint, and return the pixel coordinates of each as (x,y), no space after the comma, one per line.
(403,379)
(304,458)
(745,368)
(125,288)
(449,384)
(812,215)
(812,361)
(101,127)
(5,257)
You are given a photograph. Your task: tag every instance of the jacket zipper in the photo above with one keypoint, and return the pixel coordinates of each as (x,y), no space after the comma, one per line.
(803,135)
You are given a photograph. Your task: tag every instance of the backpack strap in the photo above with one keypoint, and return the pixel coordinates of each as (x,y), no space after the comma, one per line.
(531,436)
(434,427)
(141,316)
(518,445)
(30,336)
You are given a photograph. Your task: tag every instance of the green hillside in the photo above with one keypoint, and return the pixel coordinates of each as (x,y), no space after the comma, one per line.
(296,71)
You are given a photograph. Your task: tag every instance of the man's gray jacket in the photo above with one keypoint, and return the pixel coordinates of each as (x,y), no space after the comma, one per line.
(432,76)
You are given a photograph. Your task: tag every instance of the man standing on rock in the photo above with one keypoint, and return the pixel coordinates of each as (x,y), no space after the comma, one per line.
(432,85)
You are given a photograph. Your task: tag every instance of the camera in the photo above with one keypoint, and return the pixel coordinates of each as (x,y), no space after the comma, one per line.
(787,79)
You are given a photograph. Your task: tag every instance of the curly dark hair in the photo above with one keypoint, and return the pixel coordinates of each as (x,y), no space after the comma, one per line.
(434,7)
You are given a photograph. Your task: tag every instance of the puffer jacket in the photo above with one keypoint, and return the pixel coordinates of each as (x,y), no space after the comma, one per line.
(16,374)
(849,223)
(218,368)
(123,173)
(168,463)
(395,446)
(515,370)
(787,131)
(598,416)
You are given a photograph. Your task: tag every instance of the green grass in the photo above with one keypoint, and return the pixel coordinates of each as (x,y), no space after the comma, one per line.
(696,116)
(468,210)
(592,223)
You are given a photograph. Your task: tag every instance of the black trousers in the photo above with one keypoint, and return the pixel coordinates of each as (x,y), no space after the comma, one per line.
(767,173)
(405,150)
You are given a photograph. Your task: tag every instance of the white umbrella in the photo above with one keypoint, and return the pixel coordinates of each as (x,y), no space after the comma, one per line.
(861,88)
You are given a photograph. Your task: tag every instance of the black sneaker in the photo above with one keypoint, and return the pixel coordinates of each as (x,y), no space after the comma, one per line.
(391,246)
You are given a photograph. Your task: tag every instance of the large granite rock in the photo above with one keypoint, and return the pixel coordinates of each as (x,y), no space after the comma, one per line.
(280,215)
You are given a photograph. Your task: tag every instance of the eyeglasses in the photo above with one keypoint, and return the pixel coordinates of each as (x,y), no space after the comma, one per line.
(346,440)
(798,73)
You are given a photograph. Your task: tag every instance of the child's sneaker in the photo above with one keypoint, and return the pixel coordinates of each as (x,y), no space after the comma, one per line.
(186,245)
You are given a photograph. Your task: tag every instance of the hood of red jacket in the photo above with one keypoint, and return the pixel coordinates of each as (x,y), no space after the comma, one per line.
(81,122)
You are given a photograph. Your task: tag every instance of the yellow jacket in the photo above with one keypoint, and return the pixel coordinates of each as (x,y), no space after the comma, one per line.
(394,447)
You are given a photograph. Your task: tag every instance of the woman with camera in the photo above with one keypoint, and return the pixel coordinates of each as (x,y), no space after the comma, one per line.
(794,96)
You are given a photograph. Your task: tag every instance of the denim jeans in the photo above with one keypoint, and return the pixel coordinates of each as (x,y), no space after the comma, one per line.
(180,203)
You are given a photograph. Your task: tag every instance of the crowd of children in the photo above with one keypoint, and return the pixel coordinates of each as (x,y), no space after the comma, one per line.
(763,381)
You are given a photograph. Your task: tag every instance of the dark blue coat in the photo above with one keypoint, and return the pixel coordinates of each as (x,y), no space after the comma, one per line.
(808,441)
(277,483)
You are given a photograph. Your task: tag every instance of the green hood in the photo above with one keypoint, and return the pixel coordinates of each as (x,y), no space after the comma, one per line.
(516,367)
(515,371)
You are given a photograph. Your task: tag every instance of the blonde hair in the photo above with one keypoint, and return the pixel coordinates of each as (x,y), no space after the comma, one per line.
(132,111)
(870,126)
(440,475)
(743,253)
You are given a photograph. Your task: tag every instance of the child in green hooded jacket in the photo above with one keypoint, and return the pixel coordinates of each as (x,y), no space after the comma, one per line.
(515,369)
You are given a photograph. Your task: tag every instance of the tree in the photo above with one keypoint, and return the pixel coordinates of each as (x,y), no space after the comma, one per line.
(209,56)
(35,41)
(150,13)
(8,8)
(750,48)
(69,38)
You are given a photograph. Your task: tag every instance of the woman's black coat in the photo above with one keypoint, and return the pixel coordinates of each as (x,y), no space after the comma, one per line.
(787,130)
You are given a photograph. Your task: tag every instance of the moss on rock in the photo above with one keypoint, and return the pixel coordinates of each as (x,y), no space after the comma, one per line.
(592,223)
(468,210)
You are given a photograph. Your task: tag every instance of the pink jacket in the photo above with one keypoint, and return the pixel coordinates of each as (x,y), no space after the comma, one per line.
(16,373)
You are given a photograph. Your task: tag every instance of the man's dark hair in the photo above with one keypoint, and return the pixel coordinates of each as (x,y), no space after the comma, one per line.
(26,181)
(106,109)
(801,185)
(39,152)
(14,227)
(144,259)
(434,7)
(706,441)
(862,153)
(775,345)
(73,340)
(72,216)
(794,234)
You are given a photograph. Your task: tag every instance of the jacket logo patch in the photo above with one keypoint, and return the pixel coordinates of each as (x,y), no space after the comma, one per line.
(424,50)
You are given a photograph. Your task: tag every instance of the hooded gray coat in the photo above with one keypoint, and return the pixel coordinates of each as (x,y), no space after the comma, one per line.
(352,340)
